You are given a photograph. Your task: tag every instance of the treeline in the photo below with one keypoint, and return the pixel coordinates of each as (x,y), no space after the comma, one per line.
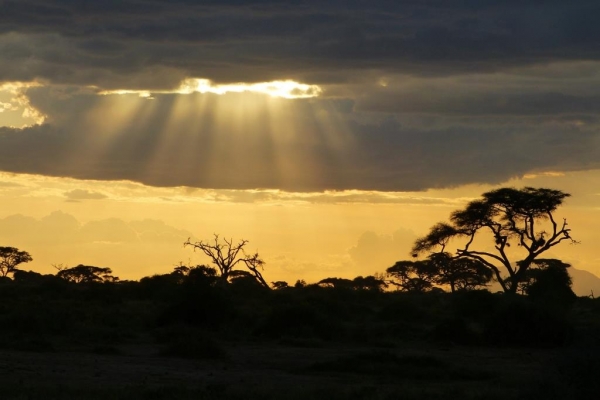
(192,312)
(195,310)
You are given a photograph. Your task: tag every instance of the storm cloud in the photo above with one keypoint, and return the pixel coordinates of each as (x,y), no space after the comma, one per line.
(154,43)
(416,94)
(307,145)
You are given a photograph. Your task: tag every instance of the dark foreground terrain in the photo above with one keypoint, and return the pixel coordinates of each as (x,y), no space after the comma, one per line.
(180,336)
(282,372)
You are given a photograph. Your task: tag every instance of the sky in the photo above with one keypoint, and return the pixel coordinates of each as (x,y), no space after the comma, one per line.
(330,134)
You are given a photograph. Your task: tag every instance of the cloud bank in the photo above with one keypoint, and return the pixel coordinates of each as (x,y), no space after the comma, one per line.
(155,43)
(412,95)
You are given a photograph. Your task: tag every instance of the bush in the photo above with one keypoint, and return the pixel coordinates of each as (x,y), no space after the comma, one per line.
(300,320)
(207,307)
(192,344)
(518,321)
(457,331)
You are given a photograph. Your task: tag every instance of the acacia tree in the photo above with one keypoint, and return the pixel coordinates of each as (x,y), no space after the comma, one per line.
(10,257)
(412,276)
(86,274)
(459,273)
(507,216)
(226,256)
(371,282)
(548,279)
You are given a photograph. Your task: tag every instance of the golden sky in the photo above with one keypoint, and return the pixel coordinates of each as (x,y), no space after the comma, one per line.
(139,230)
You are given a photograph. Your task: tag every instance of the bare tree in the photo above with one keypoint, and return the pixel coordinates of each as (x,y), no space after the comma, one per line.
(227,256)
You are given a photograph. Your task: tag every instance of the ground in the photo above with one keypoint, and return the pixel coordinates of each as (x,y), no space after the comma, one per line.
(273,372)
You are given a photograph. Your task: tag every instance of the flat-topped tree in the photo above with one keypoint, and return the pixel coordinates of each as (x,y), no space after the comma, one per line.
(86,274)
(521,217)
(10,258)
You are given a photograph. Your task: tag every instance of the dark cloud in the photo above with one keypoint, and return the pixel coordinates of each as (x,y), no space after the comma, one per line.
(483,104)
(417,94)
(153,43)
(306,145)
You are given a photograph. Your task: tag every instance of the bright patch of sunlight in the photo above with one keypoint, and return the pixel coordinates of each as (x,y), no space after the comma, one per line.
(287,89)
(15,108)
(142,93)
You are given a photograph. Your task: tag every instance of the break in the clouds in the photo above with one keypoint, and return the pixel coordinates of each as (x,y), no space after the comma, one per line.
(389,95)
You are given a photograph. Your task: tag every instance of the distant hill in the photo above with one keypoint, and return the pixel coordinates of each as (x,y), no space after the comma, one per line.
(584,282)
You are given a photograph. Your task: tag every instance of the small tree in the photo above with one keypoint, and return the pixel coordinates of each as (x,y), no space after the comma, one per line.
(226,256)
(278,285)
(10,258)
(521,217)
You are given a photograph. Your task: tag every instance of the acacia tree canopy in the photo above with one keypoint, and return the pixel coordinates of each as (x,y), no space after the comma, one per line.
(459,273)
(87,274)
(412,276)
(10,258)
(548,279)
(509,216)
(439,269)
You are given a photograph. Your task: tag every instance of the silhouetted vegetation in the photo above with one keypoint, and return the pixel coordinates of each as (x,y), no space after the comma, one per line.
(226,256)
(86,274)
(509,217)
(394,330)
(10,258)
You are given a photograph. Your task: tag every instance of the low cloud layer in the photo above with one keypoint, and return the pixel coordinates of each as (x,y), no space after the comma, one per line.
(131,248)
(82,194)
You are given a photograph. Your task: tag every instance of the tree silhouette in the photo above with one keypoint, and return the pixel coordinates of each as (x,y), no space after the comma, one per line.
(548,279)
(226,256)
(374,283)
(459,273)
(86,274)
(336,283)
(280,285)
(507,216)
(10,258)
(412,276)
